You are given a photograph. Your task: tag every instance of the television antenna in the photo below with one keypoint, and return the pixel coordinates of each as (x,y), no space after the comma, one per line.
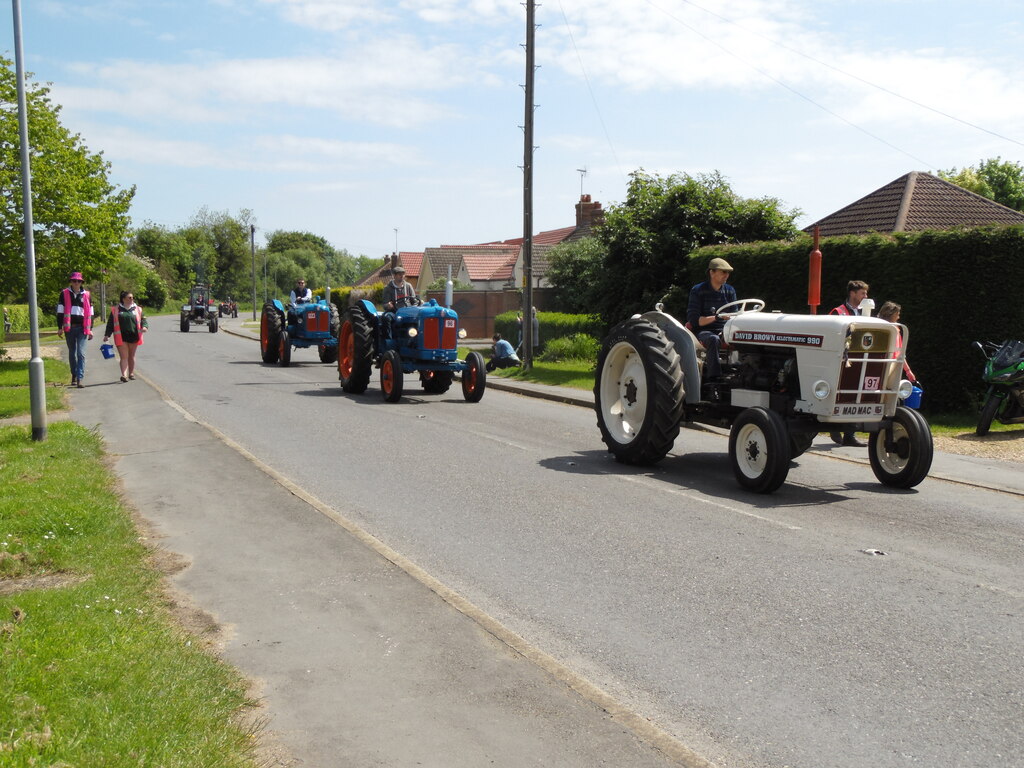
(582,172)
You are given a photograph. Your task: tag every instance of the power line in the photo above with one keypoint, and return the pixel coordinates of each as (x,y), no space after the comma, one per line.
(788,87)
(852,76)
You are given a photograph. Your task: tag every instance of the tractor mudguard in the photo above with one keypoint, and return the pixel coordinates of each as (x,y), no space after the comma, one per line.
(278,305)
(686,344)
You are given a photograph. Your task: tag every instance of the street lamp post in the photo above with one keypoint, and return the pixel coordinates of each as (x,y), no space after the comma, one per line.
(36,372)
(252,248)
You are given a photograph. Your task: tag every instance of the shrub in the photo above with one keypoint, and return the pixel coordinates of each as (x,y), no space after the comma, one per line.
(579,346)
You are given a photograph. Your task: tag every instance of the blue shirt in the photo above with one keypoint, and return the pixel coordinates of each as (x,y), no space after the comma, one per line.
(704,301)
(503,350)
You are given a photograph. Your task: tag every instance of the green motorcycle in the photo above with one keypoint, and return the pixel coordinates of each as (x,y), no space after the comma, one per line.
(1004,374)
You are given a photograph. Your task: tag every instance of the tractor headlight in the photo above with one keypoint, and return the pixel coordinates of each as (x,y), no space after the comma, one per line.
(413,333)
(905,389)
(462,333)
(822,389)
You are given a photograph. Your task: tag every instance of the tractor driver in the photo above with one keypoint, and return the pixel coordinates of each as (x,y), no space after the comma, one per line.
(300,293)
(702,313)
(397,294)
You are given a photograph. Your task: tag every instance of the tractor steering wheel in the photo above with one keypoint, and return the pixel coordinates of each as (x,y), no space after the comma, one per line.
(740,307)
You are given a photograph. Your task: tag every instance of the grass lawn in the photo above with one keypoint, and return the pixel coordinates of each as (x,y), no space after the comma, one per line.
(92,667)
(15,398)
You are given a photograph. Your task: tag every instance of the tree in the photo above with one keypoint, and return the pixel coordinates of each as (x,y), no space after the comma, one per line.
(80,218)
(995,178)
(648,238)
(573,271)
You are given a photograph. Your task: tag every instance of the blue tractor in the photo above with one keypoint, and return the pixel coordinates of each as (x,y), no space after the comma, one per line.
(422,339)
(313,324)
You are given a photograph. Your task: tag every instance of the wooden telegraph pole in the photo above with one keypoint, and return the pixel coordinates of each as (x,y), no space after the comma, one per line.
(528,340)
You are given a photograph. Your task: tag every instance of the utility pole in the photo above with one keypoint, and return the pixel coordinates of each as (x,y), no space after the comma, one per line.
(252,249)
(36,372)
(528,340)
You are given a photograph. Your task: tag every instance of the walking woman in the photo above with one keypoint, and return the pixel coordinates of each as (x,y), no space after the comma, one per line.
(127,325)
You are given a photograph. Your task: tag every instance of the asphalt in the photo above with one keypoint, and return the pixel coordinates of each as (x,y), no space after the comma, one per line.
(360,657)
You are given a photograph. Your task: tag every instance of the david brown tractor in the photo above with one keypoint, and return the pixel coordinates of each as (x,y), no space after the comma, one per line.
(786,378)
(312,324)
(200,309)
(424,339)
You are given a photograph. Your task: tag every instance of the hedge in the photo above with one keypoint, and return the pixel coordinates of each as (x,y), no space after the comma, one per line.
(955,287)
(553,325)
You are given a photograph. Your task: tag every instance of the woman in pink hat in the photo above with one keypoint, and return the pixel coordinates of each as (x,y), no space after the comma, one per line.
(74,323)
(126,324)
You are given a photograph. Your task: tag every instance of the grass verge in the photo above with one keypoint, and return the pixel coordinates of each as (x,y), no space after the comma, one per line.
(15,396)
(93,669)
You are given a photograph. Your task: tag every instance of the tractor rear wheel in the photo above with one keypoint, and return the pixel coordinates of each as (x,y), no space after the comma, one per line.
(436,382)
(474,378)
(391,376)
(759,450)
(638,392)
(355,352)
(284,350)
(906,461)
(270,334)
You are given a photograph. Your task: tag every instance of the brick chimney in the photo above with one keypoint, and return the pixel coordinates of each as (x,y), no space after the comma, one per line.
(588,213)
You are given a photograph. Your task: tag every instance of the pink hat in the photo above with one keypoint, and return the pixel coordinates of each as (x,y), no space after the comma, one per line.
(76,276)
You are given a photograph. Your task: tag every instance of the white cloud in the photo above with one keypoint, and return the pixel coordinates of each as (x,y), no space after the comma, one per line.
(331,15)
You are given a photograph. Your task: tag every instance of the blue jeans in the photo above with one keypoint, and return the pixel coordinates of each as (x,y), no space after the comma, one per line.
(76,340)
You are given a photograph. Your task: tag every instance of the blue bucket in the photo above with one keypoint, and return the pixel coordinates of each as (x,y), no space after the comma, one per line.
(107,350)
(914,401)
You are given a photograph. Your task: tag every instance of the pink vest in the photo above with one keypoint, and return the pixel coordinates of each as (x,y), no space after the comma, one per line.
(117,324)
(86,309)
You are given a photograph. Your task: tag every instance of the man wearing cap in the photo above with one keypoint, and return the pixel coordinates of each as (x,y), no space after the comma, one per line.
(74,324)
(397,294)
(856,292)
(702,313)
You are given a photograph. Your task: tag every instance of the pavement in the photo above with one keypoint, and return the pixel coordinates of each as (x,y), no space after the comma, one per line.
(360,657)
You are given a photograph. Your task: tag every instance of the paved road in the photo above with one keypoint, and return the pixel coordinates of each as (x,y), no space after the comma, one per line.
(754,630)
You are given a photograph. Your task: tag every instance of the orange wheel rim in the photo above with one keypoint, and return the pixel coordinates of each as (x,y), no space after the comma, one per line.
(346,350)
(387,377)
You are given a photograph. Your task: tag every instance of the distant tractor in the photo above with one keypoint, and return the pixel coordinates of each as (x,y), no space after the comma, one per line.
(200,310)
(313,324)
(228,308)
(423,339)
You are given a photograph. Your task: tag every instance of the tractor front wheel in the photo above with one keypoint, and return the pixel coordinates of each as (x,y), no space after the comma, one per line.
(638,392)
(284,350)
(760,450)
(391,376)
(270,334)
(214,322)
(355,352)
(901,454)
(474,378)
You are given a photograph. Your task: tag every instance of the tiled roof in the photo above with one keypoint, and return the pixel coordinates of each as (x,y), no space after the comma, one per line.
(550,237)
(442,258)
(916,202)
(488,261)
(412,261)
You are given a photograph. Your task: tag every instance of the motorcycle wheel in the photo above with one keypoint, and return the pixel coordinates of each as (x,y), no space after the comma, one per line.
(988,412)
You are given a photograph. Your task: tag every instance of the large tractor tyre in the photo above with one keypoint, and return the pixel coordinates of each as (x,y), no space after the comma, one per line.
(270,334)
(335,321)
(355,352)
(800,442)
(638,392)
(391,376)
(759,450)
(214,323)
(436,382)
(988,412)
(184,323)
(474,378)
(220,312)
(328,354)
(910,457)
(284,350)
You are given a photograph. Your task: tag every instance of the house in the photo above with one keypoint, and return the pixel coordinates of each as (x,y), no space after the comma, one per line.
(914,202)
(411,260)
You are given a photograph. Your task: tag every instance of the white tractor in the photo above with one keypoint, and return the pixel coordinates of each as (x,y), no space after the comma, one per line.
(786,377)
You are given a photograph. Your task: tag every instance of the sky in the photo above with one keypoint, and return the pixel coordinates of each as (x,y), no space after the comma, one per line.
(398,123)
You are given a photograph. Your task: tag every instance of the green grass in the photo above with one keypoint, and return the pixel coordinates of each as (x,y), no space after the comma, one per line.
(15,397)
(94,672)
(570,373)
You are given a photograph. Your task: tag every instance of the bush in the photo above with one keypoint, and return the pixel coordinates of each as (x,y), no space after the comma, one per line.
(553,325)
(579,346)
